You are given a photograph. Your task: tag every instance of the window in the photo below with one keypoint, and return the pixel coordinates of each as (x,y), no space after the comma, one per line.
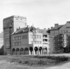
(44,35)
(45,43)
(39,36)
(15,38)
(31,41)
(17,43)
(67,27)
(24,36)
(39,42)
(19,37)
(45,40)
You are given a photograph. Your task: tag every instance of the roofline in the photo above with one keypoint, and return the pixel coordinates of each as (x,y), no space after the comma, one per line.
(57,28)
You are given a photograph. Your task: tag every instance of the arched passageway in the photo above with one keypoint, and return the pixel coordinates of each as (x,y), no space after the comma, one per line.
(36,50)
(26,51)
(40,50)
(31,50)
(13,51)
(17,51)
(44,50)
(21,51)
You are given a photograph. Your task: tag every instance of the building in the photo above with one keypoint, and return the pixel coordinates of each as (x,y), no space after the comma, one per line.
(10,24)
(59,38)
(30,40)
(21,39)
(65,30)
(54,33)
(1,39)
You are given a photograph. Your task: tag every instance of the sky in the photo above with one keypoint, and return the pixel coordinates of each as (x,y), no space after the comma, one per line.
(40,13)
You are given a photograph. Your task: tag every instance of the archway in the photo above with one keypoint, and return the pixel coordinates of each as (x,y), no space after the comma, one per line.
(31,49)
(13,51)
(40,49)
(26,50)
(36,50)
(44,50)
(17,51)
(21,51)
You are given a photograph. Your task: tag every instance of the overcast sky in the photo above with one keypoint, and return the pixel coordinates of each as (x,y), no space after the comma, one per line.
(41,13)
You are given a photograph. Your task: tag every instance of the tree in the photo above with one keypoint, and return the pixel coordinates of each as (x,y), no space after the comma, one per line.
(67,49)
(58,44)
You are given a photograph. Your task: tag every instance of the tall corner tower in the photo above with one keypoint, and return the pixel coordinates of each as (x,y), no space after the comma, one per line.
(10,24)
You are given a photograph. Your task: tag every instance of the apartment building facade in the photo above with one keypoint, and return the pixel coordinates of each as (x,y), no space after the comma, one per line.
(21,39)
(32,42)
(59,38)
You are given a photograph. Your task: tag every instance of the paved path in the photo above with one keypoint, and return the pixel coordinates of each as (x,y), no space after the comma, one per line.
(64,66)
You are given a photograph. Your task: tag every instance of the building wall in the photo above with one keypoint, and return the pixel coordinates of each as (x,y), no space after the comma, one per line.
(41,39)
(20,40)
(53,34)
(46,41)
(10,24)
(19,22)
(23,40)
(7,29)
(37,38)
(65,31)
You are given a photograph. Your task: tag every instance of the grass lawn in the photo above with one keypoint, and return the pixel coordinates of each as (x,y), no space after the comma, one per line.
(39,60)
(32,62)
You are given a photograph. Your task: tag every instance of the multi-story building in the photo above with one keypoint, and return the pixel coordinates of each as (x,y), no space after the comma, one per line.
(21,39)
(10,25)
(30,40)
(59,38)
(65,30)
(54,34)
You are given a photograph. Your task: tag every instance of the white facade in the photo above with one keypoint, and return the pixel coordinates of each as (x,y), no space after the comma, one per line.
(19,22)
(39,39)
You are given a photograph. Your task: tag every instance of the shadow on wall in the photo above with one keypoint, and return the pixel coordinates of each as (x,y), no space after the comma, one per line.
(1,50)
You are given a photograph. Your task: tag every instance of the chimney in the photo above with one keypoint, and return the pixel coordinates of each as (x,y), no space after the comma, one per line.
(51,27)
(68,21)
(44,28)
(56,25)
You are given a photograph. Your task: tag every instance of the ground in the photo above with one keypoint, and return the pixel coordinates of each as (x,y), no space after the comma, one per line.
(5,63)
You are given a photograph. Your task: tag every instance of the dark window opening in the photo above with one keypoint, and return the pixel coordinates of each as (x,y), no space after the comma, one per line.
(44,35)
(45,40)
